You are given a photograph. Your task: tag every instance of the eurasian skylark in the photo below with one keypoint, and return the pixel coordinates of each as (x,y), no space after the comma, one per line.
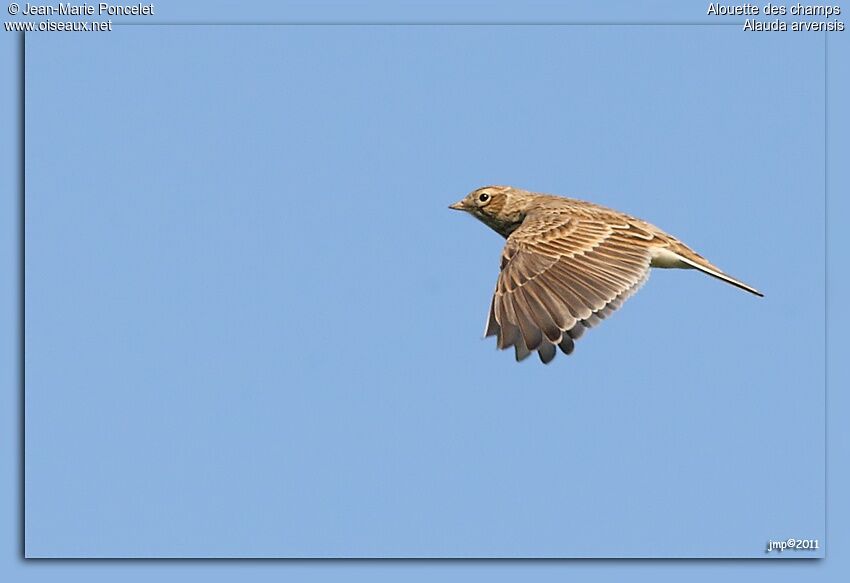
(568,264)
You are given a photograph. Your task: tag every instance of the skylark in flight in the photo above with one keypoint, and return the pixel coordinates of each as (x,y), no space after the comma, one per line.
(568,264)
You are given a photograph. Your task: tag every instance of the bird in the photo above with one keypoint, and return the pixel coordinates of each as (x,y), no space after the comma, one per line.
(568,264)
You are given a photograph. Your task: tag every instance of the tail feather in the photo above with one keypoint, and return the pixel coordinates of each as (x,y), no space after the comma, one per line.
(721,276)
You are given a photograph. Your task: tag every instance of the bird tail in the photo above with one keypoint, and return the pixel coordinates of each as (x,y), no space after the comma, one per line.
(714,272)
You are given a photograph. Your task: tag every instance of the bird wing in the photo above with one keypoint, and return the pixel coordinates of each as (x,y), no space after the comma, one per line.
(561,273)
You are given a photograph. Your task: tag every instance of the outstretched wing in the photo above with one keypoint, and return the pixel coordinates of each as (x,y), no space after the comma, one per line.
(561,273)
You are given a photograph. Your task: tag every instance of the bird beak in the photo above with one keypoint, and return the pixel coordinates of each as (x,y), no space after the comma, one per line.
(458,206)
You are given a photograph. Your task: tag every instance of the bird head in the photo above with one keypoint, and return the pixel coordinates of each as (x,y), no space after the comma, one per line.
(501,208)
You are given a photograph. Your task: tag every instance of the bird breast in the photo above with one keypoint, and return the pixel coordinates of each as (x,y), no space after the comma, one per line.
(501,225)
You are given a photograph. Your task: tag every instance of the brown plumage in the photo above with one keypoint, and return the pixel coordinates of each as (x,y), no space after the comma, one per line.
(568,264)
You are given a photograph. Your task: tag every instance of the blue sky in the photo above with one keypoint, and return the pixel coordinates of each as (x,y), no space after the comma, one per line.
(219,365)
(241,273)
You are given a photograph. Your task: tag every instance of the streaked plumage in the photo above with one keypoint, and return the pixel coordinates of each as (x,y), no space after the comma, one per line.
(567,265)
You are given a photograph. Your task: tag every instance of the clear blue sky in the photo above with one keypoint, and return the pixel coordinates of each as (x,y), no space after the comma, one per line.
(253,328)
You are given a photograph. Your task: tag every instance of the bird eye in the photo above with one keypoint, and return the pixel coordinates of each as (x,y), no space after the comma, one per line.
(483,197)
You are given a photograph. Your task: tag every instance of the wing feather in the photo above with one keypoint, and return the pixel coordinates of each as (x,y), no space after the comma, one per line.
(541,314)
(531,333)
(562,273)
